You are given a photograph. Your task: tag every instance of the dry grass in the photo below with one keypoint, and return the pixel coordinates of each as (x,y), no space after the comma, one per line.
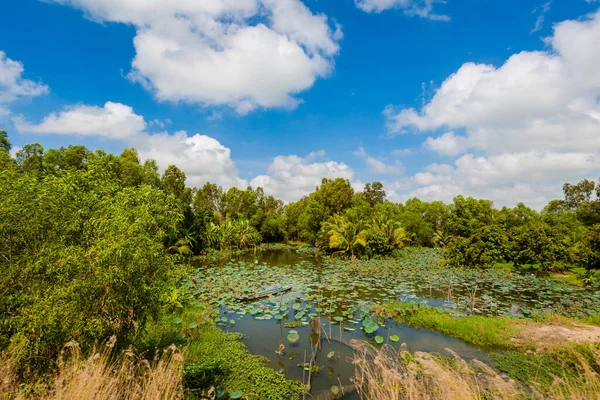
(8,379)
(388,374)
(105,377)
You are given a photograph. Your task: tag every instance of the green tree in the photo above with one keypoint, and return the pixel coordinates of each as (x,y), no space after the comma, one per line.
(344,235)
(30,158)
(4,141)
(468,215)
(393,232)
(173,182)
(373,193)
(150,175)
(536,243)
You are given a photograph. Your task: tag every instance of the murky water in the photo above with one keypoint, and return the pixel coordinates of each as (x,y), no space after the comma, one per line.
(263,322)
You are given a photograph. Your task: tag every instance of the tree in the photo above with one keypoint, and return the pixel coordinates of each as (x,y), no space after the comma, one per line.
(344,235)
(373,193)
(469,215)
(30,158)
(536,243)
(488,246)
(334,194)
(131,172)
(173,182)
(4,141)
(6,161)
(212,197)
(590,254)
(393,232)
(150,175)
(576,195)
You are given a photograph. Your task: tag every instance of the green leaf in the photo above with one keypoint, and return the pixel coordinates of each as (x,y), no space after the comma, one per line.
(335,389)
(379,339)
(394,338)
(177,321)
(293,336)
(236,394)
(193,325)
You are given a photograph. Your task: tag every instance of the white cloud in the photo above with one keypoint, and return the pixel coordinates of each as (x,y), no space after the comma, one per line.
(530,125)
(291,177)
(13,86)
(535,177)
(403,152)
(537,99)
(14,150)
(448,144)
(421,8)
(201,157)
(539,23)
(240,53)
(377,166)
(114,120)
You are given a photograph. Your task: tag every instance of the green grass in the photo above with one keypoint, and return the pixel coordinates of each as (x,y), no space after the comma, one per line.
(565,363)
(488,332)
(214,358)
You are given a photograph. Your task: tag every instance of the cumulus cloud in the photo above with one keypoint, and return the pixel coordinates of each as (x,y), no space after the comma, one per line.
(114,120)
(291,177)
(421,8)
(377,166)
(448,144)
(13,86)
(537,99)
(534,177)
(241,53)
(201,157)
(529,125)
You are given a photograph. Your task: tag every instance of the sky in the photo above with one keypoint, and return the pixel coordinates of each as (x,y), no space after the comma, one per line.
(497,99)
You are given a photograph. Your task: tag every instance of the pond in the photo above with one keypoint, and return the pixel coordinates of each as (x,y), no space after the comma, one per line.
(340,294)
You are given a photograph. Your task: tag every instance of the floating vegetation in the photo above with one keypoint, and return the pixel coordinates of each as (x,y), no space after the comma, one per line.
(346,291)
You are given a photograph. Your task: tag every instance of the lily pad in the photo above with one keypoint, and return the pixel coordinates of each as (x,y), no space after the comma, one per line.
(293,336)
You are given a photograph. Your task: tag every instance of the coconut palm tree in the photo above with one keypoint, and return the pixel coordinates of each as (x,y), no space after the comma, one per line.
(441,238)
(346,235)
(392,230)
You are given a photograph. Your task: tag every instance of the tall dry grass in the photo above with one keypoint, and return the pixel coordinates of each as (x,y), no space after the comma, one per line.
(389,374)
(102,376)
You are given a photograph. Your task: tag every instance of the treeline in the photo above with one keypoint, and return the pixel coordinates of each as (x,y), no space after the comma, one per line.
(364,224)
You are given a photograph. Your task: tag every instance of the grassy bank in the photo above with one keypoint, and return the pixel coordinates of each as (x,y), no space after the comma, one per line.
(487,332)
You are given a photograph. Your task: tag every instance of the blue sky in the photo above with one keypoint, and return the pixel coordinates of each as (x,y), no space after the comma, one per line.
(415,93)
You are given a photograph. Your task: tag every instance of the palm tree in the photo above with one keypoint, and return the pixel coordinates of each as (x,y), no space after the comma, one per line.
(394,233)
(183,247)
(441,238)
(346,235)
